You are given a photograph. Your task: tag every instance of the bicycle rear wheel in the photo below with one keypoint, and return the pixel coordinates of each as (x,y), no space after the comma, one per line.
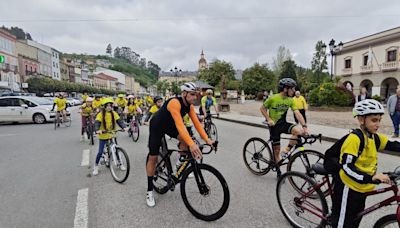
(162,179)
(257,156)
(206,195)
(302,162)
(297,207)
(119,165)
(135,132)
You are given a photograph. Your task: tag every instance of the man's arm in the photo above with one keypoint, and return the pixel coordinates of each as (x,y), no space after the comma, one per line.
(197,124)
(174,108)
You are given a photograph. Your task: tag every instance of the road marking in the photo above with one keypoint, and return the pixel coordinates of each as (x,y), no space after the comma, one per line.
(85,158)
(6,135)
(81,211)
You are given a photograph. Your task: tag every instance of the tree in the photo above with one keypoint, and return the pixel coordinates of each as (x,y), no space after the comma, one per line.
(28,36)
(319,64)
(214,73)
(288,70)
(282,55)
(117,52)
(258,78)
(109,49)
(18,32)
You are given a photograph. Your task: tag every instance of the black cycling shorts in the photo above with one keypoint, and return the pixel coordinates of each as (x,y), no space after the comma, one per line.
(155,137)
(279,128)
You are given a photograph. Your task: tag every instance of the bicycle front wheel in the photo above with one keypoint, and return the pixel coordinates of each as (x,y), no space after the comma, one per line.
(212,132)
(206,195)
(119,165)
(387,221)
(68,121)
(257,156)
(135,132)
(298,207)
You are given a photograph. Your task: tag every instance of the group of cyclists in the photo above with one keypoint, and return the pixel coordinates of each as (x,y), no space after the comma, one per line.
(172,117)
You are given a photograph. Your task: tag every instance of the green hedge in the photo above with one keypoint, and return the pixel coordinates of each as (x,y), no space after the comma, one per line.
(42,85)
(331,95)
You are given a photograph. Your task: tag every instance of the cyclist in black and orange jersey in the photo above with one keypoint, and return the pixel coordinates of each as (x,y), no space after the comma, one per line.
(169,120)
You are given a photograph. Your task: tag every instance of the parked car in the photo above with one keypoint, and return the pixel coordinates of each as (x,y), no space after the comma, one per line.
(26,109)
(73,102)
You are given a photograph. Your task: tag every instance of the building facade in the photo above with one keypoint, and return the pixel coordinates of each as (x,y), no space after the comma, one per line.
(47,58)
(27,60)
(9,76)
(120,83)
(372,62)
(55,64)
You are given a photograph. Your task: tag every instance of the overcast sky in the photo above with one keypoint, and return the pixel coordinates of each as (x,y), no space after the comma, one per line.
(173,33)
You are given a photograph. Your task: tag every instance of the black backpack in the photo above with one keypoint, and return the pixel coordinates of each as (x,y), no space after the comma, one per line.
(332,155)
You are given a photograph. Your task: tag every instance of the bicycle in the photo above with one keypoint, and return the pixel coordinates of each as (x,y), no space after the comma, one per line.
(89,128)
(134,128)
(210,127)
(203,187)
(116,159)
(259,157)
(311,201)
(58,121)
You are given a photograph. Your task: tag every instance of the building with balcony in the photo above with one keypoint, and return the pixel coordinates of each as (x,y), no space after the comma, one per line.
(9,76)
(372,62)
(28,63)
(49,60)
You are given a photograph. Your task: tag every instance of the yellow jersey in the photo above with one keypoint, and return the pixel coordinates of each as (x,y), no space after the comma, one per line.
(61,103)
(153,109)
(366,162)
(84,97)
(132,109)
(96,103)
(300,102)
(108,121)
(86,110)
(121,102)
(187,121)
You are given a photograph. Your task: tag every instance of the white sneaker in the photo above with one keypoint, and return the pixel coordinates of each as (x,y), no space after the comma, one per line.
(150,199)
(95,170)
(122,167)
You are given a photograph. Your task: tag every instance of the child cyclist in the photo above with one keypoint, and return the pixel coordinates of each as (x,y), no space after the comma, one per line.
(86,111)
(106,120)
(158,102)
(358,171)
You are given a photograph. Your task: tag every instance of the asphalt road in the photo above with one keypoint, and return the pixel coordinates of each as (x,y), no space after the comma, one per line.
(41,174)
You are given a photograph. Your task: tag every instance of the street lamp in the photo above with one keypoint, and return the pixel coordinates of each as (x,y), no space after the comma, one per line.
(334,50)
(176,73)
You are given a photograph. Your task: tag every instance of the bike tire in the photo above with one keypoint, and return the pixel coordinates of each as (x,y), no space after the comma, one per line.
(68,122)
(162,178)
(199,177)
(135,133)
(213,133)
(295,202)
(387,220)
(258,156)
(120,179)
(302,162)
(90,134)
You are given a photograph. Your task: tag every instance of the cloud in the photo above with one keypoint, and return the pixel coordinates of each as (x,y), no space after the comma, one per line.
(173,33)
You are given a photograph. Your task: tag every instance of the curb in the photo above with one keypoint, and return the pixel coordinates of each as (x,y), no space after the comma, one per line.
(325,138)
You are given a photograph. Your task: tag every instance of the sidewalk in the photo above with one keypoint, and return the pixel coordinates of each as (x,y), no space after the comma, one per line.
(331,134)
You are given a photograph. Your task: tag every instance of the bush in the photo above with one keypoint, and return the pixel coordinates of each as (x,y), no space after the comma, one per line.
(378,98)
(331,95)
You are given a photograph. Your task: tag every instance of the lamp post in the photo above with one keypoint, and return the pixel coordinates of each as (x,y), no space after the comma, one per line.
(176,73)
(334,50)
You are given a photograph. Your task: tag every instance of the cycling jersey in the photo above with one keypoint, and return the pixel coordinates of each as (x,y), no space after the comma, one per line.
(108,122)
(208,102)
(96,103)
(186,121)
(121,102)
(132,109)
(358,169)
(61,103)
(153,109)
(149,101)
(278,106)
(86,110)
(84,97)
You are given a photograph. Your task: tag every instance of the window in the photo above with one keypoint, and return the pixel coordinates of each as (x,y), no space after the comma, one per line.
(54,65)
(5,102)
(29,103)
(347,63)
(391,55)
(365,60)
(14,102)
(31,69)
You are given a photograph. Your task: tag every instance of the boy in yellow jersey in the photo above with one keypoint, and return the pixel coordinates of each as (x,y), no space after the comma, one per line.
(84,97)
(301,105)
(158,102)
(61,103)
(358,172)
(87,111)
(106,120)
(96,104)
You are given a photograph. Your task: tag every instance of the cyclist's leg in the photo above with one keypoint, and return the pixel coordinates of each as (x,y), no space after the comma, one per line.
(64,115)
(155,139)
(294,130)
(346,204)
(275,136)
(83,118)
(102,143)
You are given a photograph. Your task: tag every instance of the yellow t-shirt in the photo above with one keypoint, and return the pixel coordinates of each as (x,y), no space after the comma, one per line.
(132,108)
(153,109)
(86,110)
(84,97)
(187,121)
(96,103)
(108,127)
(149,101)
(121,102)
(300,102)
(61,103)
(367,161)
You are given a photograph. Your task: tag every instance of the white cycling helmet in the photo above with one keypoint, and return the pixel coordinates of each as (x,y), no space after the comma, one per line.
(188,87)
(367,107)
(89,99)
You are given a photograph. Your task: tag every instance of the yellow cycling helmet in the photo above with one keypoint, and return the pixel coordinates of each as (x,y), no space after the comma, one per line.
(106,101)
(121,95)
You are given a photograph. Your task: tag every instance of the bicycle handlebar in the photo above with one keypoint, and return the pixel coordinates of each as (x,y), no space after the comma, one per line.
(213,147)
(112,131)
(307,139)
(392,175)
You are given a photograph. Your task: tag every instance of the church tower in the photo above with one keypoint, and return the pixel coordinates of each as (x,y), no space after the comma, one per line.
(202,61)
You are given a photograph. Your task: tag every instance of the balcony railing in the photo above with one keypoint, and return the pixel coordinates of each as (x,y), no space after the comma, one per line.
(347,71)
(366,69)
(390,66)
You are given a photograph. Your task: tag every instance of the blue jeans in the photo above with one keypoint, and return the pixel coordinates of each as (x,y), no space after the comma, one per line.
(102,143)
(396,121)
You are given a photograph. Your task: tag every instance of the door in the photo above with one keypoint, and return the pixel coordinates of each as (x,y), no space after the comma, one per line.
(26,112)
(16,110)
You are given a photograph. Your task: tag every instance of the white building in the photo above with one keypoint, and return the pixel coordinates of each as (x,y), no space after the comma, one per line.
(49,60)
(55,67)
(118,75)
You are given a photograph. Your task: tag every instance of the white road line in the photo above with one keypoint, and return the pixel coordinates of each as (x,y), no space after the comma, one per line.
(85,158)
(6,135)
(81,211)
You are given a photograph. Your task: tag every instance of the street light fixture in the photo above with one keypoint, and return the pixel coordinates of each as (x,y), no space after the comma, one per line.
(176,73)
(334,50)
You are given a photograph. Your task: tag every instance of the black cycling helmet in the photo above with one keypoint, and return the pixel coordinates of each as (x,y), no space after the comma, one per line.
(287,82)
(157,98)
